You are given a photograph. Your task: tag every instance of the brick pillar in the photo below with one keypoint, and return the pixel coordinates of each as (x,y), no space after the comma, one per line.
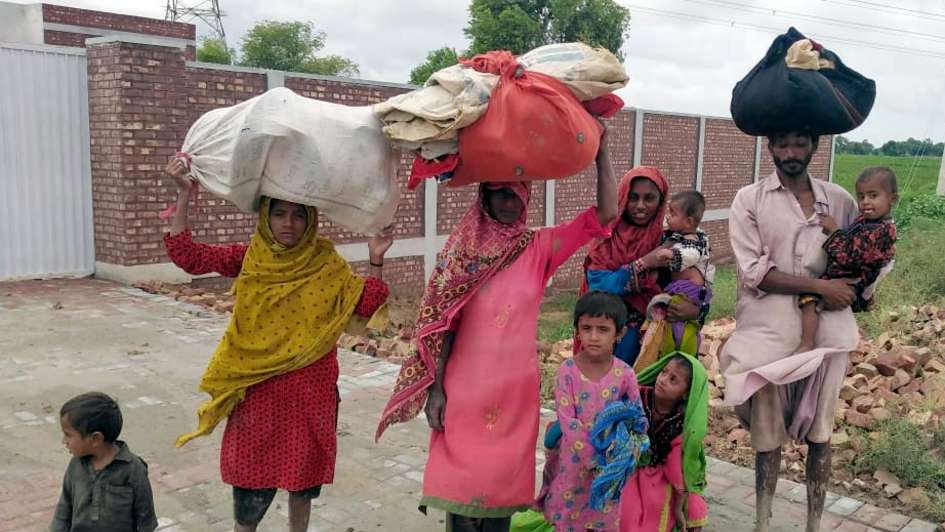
(136,118)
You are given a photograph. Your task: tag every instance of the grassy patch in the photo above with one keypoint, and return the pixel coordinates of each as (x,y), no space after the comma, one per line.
(918,277)
(723,292)
(903,449)
(549,374)
(935,509)
(556,318)
(938,439)
(923,206)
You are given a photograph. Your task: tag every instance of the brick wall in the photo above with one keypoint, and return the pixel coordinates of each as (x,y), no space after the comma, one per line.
(144,98)
(728,163)
(404,275)
(342,92)
(104,72)
(110,23)
(573,196)
(671,143)
(620,132)
(820,165)
(137,112)
(718,238)
(65,38)
(117,22)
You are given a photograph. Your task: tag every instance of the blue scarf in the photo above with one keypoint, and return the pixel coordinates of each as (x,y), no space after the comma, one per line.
(619,437)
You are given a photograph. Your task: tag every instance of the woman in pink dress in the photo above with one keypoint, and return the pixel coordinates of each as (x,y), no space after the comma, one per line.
(474,363)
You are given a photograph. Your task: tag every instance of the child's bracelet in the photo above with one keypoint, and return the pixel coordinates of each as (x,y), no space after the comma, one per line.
(806,299)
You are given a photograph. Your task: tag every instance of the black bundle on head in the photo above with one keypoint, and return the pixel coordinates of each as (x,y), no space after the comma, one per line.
(596,304)
(93,412)
(782,93)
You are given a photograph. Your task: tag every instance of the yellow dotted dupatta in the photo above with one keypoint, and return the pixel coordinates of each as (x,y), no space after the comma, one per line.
(291,306)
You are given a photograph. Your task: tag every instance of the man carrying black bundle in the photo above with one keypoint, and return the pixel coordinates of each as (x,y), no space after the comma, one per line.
(798,92)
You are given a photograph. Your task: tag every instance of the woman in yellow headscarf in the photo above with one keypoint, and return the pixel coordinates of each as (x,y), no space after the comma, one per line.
(274,374)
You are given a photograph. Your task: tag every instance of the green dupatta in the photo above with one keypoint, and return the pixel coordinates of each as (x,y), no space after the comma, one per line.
(696,421)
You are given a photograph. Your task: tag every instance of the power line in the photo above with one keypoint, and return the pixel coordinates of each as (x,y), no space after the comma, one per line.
(828,20)
(916,159)
(206,10)
(888,8)
(768,29)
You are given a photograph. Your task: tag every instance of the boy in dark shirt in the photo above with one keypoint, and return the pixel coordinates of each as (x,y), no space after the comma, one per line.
(105,486)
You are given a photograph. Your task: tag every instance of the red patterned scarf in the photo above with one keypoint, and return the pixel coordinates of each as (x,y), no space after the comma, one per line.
(630,242)
(477,249)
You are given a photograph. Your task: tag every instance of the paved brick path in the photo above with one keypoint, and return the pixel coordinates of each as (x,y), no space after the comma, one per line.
(59,338)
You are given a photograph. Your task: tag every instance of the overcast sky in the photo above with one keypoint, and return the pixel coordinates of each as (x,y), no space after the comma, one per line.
(682,55)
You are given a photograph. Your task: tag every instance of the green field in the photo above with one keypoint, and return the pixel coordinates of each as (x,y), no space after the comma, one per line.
(915,175)
(555,322)
(723,292)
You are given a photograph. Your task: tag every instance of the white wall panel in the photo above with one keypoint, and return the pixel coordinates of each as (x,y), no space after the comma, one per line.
(45,175)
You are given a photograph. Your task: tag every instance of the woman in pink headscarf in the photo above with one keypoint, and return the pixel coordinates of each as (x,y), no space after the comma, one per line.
(626,262)
(474,363)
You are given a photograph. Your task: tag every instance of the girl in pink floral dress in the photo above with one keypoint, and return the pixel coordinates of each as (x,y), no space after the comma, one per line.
(586,384)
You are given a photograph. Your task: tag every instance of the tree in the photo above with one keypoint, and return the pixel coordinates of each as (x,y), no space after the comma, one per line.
(845,145)
(841,144)
(598,23)
(910,147)
(521,25)
(330,65)
(862,148)
(213,50)
(291,46)
(893,148)
(436,60)
(516,26)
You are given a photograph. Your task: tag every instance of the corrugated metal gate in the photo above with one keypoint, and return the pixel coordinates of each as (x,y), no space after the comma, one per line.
(45,175)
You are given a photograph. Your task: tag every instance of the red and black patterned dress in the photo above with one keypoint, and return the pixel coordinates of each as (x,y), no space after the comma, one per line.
(860,252)
(282,435)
